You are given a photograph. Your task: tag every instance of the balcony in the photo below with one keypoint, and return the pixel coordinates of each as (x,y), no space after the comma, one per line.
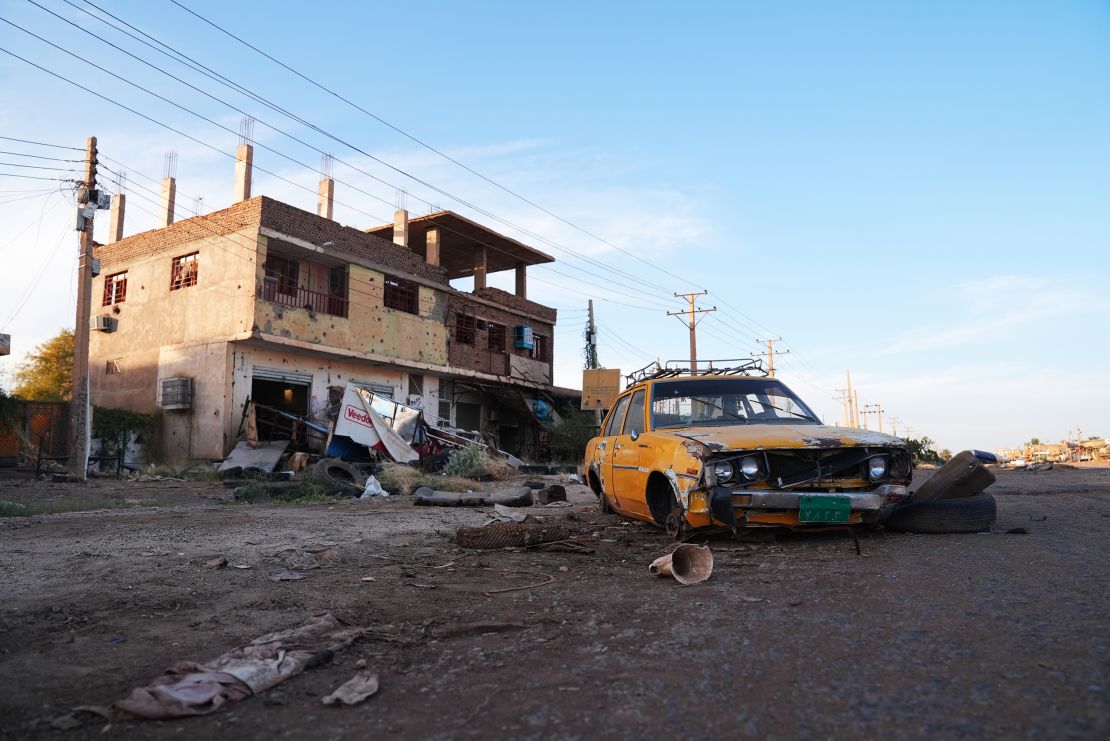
(302,298)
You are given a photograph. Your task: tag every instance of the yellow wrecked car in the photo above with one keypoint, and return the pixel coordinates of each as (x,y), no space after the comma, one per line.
(731,446)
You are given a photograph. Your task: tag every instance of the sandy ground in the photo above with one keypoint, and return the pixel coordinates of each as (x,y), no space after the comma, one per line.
(958,636)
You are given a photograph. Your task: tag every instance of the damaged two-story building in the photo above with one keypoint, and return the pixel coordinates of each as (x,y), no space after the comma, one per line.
(268,302)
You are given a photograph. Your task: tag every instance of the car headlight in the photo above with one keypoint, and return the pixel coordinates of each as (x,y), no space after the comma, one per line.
(723,471)
(877,467)
(750,467)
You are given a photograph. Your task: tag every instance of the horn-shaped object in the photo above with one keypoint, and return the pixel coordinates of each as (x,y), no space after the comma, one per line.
(689,564)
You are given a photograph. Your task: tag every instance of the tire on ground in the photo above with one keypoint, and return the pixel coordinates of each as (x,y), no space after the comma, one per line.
(338,477)
(964,515)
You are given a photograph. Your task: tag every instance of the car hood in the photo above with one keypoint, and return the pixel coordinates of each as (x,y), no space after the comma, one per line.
(765,436)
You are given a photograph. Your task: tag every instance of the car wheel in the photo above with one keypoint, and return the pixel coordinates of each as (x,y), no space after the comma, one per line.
(964,515)
(676,524)
(603,504)
(338,477)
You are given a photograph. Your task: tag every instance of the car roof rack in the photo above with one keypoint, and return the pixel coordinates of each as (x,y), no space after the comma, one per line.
(673,369)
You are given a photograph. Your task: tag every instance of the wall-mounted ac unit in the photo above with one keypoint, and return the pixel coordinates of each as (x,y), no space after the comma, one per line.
(101,323)
(177,394)
(522,337)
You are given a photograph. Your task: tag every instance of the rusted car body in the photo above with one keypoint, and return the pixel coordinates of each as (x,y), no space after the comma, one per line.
(733,447)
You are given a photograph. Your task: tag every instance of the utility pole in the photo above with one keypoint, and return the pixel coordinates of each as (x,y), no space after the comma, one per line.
(80,408)
(842,395)
(853,418)
(855,407)
(591,354)
(875,409)
(691,321)
(894,424)
(770,354)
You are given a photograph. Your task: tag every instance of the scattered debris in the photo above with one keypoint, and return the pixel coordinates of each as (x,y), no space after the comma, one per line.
(508,534)
(198,689)
(310,556)
(553,493)
(338,477)
(563,503)
(427,497)
(214,564)
(373,488)
(354,690)
(475,629)
(263,457)
(287,576)
(963,515)
(508,514)
(963,476)
(688,564)
(1017,531)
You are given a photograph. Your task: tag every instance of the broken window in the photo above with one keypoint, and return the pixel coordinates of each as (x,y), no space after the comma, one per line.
(115,288)
(111,368)
(496,337)
(184,271)
(282,275)
(634,420)
(446,394)
(539,347)
(464,329)
(401,295)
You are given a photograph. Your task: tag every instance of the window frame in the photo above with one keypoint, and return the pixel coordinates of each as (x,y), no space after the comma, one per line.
(617,410)
(496,337)
(285,272)
(628,414)
(400,295)
(181,276)
(466,328)
(115,289)
(539,349)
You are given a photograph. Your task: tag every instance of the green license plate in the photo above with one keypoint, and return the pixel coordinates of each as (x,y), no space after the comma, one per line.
(824,508)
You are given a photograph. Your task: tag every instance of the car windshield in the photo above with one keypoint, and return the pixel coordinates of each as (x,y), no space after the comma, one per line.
(706,402)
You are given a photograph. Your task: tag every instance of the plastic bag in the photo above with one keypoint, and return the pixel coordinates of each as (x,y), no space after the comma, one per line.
(373,489)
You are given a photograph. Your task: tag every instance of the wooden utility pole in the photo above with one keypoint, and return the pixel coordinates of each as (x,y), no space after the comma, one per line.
(876,409)
(843,396)
(894,425)
(853,418)
(770,354)
(591,355)
(691,321)
(78,449)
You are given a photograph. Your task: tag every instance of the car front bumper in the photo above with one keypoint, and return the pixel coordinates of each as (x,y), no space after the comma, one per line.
(724,503)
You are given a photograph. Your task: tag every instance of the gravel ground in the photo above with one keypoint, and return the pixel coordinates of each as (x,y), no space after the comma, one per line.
(990,635)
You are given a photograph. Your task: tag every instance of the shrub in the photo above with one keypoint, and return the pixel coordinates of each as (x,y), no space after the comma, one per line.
(469,461)
(567,441)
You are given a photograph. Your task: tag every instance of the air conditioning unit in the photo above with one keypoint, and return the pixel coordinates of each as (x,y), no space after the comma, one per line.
(95,266)
(177,394)
(522,337)
(101,323)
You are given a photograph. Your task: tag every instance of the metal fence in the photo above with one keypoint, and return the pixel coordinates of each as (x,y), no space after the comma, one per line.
(39,427)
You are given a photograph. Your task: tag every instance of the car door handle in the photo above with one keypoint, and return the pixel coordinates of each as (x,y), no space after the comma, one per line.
(617,446)
(643,445)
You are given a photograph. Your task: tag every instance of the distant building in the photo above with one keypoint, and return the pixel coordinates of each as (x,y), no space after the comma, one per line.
(265,301)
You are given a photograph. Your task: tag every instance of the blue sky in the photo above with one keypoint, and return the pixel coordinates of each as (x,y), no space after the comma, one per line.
(915,192)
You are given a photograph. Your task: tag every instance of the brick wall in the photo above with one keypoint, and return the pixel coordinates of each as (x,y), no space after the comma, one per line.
(282,217)
(511,300)
(478,356)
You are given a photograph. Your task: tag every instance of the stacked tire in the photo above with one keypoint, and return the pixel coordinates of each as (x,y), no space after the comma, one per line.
(951,501)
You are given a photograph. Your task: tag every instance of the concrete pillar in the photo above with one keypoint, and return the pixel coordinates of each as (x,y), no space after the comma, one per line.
(244,164)
(480,267)
(169,195)
(522,280)
(325,198)
(401,227)
(431,254)
(115,218)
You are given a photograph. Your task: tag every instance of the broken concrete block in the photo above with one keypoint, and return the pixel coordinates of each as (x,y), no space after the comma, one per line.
(553,493)
(963,476)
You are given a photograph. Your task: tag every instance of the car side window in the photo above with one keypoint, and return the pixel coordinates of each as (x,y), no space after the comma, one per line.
(613,426)
(634,422)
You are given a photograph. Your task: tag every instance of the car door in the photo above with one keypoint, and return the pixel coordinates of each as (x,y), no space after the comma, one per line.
(609,433)
(628,476)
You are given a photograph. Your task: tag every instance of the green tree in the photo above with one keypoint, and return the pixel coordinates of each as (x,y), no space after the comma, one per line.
(922,449)
(47,371)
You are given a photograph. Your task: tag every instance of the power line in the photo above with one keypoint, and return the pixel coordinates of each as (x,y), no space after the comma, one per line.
(325,133)
(41,144)
(38,156)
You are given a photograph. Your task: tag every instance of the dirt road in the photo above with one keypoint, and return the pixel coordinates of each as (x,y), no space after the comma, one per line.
(992,635)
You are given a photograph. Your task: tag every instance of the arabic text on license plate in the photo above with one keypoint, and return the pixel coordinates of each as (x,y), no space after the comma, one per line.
(824,508)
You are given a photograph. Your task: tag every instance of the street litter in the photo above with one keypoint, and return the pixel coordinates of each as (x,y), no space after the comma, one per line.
(373,488)
(508,514)
(689,564)
(354,690)
(508,534)
(309,557)
(287,576)
(427,497)
(553,493)
(952,500)
(214,564)
(198,689)
(563,503)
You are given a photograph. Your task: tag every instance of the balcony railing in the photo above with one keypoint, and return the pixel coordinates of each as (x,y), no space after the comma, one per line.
(302,298)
